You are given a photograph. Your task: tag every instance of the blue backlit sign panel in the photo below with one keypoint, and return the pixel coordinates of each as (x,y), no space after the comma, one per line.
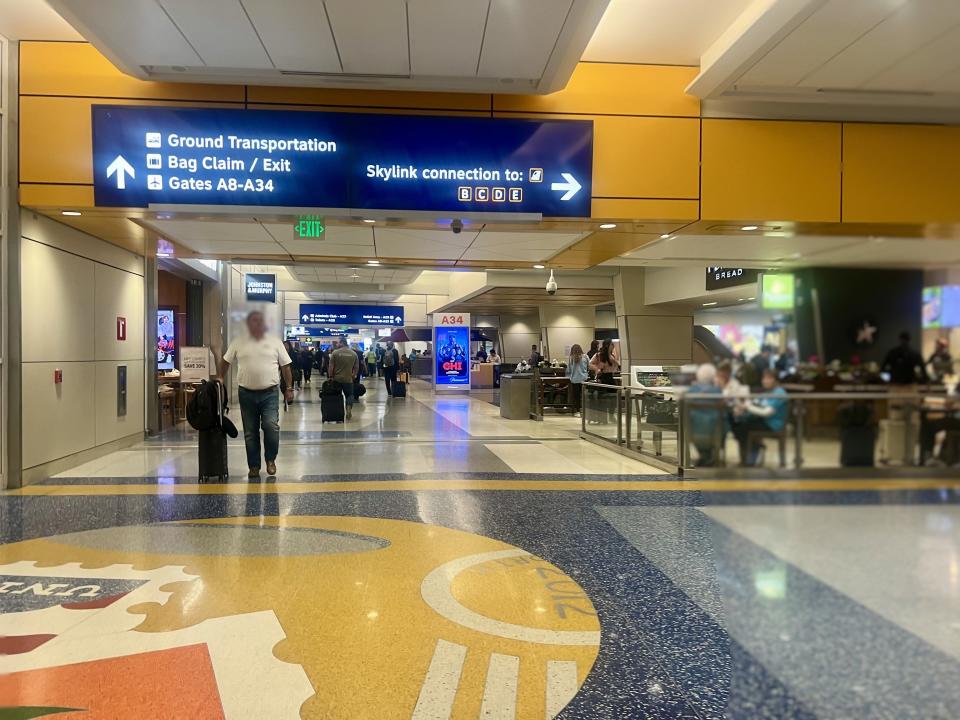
(311,314)
(151,155)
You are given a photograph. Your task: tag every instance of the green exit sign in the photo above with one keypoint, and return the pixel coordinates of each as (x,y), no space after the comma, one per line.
(309,226)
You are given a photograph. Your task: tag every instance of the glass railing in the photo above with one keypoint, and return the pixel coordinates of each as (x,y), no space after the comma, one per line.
(812,432)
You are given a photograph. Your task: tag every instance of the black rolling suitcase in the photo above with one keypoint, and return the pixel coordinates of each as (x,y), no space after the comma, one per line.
(331,402)
(205,413)
(858,435)
(213,455)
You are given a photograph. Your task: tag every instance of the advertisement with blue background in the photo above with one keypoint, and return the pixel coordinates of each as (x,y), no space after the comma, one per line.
(453,355)
(192,156)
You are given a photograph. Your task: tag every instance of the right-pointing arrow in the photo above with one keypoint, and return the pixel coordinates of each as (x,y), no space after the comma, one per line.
(571,186)
(120,167)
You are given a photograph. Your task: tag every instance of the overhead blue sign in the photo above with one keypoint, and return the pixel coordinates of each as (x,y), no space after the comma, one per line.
(311,314)
(319,332)
(190,156)
(261,287)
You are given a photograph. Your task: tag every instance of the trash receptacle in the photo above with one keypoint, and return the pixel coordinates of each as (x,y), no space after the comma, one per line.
(515,392)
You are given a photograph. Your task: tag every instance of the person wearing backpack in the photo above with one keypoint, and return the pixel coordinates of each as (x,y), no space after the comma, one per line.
(261,360)
(391,362)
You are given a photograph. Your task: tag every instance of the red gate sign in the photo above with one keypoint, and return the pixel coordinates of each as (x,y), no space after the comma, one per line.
(121,328)
(453,320)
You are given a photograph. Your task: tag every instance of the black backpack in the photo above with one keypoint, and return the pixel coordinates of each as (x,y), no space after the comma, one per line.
(206,408)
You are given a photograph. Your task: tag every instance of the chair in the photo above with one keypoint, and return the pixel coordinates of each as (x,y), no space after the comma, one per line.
(781,437)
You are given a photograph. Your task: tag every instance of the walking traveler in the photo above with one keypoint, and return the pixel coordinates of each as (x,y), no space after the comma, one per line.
(390,363)
(577,371)
(261,360)
(344,369)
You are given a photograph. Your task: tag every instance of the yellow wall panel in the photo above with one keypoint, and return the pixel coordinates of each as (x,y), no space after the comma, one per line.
(770,170)
(55,137)
(613,89)
(667,211)
(369,110)
(67,68)
(368,98)
(901,173)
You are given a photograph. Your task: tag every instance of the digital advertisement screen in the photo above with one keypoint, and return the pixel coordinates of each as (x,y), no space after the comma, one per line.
(746,339)
(166,339)
(777,291)
(453,361)
(941,307)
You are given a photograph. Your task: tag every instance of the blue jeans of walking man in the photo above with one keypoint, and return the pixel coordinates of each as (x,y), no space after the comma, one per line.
(260,409)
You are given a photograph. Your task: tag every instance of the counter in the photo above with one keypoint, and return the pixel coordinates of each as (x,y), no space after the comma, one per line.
(481,375)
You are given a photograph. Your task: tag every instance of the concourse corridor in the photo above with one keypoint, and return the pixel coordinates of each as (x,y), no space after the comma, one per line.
(430,560)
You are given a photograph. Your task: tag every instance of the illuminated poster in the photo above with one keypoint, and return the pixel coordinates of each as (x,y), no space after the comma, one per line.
(453,358)
(166,339)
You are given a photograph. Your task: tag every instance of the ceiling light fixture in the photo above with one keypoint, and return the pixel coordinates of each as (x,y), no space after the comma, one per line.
(748,228)
(538,267)
(373,262)
(665,236)
(753,298)
(708,304)
(608,226)
(71,213)
(369,220)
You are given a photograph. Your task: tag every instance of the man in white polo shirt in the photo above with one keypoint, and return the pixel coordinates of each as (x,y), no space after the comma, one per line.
(260,359)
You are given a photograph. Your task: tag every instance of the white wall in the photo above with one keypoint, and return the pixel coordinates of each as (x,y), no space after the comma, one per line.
(74,287)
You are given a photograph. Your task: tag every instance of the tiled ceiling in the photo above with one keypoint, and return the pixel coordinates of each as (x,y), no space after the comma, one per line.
(463,45)
(361,243)
(895,53)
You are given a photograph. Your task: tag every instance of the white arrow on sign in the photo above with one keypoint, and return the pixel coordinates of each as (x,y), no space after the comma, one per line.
(121,167)
(571,186)
(304,318)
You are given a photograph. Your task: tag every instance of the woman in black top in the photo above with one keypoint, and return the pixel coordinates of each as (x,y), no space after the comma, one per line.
(594,349)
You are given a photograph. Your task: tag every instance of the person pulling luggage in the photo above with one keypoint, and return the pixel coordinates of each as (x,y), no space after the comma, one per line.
(261,360)
(344,369)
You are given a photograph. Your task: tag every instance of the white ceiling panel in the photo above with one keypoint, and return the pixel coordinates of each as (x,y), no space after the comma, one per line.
(520,37)
(324,248)
(893,251)
(660,31)
(823,35)
(371,35)
(137,28)
(422,244)
(906,31)
(182,230)
(446,36)
(923,69)
(220,32)
(733,249)
(232,247)
(296,34)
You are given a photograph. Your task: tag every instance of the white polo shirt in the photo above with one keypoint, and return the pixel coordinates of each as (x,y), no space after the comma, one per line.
(258,362)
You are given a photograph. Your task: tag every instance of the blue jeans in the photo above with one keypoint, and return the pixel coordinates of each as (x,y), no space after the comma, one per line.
(260,408)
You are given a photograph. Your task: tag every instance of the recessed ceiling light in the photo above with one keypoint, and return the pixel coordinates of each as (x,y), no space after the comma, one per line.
(796,255)
(71,213)
(373,262)
(753,298)
(538,267)
(369,220)
(608,226)
(665,236)
(741,299)
(713,302)
(748,228)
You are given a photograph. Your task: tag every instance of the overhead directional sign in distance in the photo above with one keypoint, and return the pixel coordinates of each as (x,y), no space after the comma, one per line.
(190,156)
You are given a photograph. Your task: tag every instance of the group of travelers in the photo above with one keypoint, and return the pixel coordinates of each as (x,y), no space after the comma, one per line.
(734,412)
(600,364)
(268,368)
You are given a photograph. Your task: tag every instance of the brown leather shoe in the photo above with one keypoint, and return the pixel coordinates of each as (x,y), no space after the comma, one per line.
(271,469)
(253,473)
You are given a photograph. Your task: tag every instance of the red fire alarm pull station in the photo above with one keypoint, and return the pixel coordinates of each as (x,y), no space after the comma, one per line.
(57,376)
(121,328)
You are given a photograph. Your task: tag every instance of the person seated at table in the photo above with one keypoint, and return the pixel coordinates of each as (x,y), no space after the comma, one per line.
(767,413)
(939,416)
(706,415)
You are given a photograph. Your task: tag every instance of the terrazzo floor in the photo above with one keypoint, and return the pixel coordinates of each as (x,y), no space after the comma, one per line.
(430,560)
